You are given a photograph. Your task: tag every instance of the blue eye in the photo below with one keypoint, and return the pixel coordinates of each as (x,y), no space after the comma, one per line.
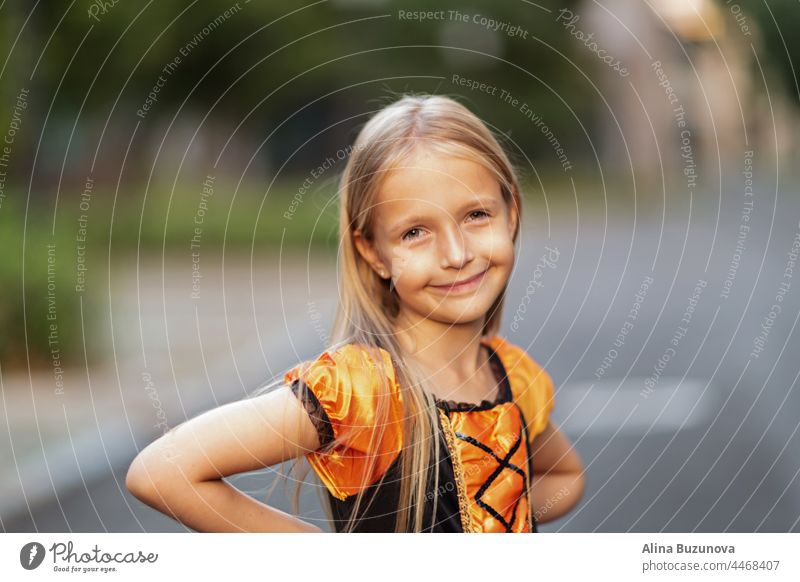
(406,237)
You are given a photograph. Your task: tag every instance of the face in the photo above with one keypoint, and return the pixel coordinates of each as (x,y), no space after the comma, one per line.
(441,221)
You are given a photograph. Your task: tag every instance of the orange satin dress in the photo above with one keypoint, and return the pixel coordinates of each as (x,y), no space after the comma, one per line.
(483,484)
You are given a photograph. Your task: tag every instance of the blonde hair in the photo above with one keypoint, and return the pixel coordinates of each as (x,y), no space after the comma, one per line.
(369,305)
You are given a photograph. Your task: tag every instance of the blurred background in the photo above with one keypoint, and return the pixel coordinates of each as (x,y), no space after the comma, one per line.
(168,229)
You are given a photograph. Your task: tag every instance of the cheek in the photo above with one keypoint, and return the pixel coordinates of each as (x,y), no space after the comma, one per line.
(496,246)
(406,265)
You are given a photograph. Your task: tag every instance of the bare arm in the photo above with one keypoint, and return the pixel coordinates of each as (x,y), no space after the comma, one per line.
(180,474)
(558,480)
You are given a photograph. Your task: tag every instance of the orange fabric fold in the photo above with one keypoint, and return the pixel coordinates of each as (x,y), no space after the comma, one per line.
(348,385)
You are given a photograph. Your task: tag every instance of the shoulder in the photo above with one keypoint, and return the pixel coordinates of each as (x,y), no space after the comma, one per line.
(361,417)
(517,362)
(531,385)
(347,367)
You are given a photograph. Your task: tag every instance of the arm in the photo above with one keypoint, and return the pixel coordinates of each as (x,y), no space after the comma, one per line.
(558,479)
(180,474)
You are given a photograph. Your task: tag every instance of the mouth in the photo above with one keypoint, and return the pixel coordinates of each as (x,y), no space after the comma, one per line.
(465,285)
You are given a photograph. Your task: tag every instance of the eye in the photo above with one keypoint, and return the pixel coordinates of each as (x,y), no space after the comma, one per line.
(406,235)
(481,212)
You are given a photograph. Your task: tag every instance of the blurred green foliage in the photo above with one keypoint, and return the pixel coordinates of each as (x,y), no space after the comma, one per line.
(42,317)
(247,219)
(266,61)
(778,21)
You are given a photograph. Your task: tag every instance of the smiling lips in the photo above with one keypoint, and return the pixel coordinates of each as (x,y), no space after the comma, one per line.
(465,284)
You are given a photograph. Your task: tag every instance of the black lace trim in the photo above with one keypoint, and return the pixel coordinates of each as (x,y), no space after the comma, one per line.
(315,411)
(503,393)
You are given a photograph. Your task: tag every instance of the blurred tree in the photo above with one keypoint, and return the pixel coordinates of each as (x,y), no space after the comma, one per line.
(262,61)
(778,21)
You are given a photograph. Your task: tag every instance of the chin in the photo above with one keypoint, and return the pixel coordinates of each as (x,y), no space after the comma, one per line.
(461,311)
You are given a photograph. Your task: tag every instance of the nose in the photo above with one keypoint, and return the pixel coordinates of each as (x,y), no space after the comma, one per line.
(454,247)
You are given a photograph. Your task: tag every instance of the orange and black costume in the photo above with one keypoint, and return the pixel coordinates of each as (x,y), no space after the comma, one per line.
(485,447)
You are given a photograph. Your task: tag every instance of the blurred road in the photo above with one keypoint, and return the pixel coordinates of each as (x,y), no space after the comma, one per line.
(676,385)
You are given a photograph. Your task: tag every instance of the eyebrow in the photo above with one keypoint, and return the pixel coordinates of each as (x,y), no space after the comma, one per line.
(407,222)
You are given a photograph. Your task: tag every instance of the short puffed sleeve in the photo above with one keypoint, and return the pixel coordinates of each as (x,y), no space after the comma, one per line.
(531,385)
(348,399)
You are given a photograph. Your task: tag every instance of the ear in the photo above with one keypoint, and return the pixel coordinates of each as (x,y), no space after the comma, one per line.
(368,252)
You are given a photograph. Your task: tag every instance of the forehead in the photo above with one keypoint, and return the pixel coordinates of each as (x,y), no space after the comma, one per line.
(431,182)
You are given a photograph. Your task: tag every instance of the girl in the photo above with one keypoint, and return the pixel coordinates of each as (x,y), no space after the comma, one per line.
(418,417)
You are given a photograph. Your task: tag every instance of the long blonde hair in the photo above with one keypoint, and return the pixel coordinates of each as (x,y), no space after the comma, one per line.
(368,305)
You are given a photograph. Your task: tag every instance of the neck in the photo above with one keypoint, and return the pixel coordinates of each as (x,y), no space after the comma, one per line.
(444,349)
